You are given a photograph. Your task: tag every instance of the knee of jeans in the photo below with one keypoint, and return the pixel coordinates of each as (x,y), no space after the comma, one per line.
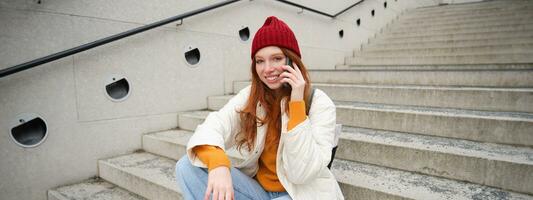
(183,165)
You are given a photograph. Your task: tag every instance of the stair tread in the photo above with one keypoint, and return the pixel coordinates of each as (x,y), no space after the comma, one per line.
(413,185)
(447,55)
(450,112)
(181,137)
(433,67)
(526,32)
(93,189)
(488,151)
(198,114)
(422,87)
(524,44)
(149,167)
(223,97)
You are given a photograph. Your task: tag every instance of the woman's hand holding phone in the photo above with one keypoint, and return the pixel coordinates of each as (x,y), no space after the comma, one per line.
(293,76)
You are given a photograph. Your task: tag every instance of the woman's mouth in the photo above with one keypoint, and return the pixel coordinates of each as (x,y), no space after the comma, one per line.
(271,78)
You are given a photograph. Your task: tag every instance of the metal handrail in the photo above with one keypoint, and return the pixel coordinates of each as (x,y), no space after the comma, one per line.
(84,47)
(355,4)
(319,12)
(68,52)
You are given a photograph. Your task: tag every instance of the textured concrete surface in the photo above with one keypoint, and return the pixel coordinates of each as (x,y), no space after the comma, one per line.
(396,76)
(217,102)
(92,189)
(389,183)
(149,175)
(500,166)
(495,127)
(189,120)
(479,98)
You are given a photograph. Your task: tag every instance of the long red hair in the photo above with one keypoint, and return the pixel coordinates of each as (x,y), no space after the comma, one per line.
(260,93)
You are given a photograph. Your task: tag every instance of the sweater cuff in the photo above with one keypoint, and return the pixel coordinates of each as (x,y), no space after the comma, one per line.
(296,114)
(212,156)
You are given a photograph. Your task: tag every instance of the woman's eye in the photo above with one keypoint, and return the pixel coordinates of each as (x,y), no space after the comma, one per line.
(258,61)
(278,59)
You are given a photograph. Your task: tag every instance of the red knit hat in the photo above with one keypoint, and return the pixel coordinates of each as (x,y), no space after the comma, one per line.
(275,32)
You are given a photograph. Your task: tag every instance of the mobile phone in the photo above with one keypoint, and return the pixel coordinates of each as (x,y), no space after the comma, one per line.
(288,61)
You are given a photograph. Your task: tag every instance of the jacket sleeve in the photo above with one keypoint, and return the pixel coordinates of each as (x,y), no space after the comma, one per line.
(219,128)
(307,147)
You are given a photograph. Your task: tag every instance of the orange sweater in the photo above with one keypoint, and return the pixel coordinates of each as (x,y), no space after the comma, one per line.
(214,157)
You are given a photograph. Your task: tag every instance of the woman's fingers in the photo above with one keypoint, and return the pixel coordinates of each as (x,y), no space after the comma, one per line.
(289,75)
(208,191)
(296,70)
(215,193)
(295,81)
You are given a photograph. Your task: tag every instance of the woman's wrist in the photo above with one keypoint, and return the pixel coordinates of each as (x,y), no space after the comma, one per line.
(297,95)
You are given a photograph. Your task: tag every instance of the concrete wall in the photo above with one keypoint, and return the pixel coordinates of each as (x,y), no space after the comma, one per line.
(84,125)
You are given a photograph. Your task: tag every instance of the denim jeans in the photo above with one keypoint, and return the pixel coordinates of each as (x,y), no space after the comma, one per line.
(193,183)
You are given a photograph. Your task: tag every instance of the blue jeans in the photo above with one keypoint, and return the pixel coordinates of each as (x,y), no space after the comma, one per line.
(193,183)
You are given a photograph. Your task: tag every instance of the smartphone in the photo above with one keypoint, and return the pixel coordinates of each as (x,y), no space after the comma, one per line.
(288,61)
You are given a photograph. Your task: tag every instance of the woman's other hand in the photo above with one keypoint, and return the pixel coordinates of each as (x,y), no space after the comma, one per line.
(220,184)
(294,77)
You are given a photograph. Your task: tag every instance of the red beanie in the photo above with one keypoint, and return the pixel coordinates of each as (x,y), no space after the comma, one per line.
(275,32)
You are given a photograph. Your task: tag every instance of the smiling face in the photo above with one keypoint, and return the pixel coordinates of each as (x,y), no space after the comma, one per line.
(268,62)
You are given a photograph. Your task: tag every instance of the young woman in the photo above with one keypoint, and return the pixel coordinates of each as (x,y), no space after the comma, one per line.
(285,151)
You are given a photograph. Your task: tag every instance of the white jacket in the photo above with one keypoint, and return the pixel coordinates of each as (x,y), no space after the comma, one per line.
(303,153)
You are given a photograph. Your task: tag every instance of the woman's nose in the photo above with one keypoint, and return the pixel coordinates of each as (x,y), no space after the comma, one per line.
(272,67)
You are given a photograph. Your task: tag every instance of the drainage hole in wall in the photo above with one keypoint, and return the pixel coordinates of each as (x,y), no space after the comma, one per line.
(30,133)
(193,56)
(341,33)
(118,90)
(373,12)
(244,34)
(385,5)
(358,22)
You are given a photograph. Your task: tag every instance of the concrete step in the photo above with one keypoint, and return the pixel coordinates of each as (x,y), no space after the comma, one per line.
(471,6)
(481,19)
(442,16)
(428,77)
(449,51)
(483,126)
(434,67)
(149,175)
(356,171)
(365,181)
(172,143)
(92,189)
(456,36)
(377,45)
(442,59)
(482,7)
(458,30)
(217,102)
(190,119)
(510,168)
(239,85)
(459,23)
(475,98)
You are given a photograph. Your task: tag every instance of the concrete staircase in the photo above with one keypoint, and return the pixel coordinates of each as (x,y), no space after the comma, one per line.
(438,106)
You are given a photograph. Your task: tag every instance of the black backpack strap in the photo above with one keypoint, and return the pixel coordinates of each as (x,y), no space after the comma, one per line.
(309,101)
